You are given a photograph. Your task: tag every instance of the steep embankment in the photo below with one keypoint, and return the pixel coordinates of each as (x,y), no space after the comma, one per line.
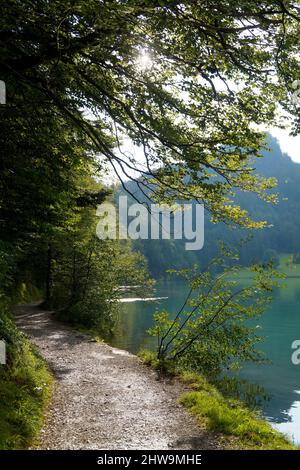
(105,398)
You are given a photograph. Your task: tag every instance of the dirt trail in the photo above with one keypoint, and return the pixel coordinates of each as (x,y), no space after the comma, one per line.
(105,398)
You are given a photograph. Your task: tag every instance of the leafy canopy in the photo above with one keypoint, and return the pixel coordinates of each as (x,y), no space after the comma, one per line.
(215,69)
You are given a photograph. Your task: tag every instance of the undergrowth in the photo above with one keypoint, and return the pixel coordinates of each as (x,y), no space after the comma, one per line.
(25,388)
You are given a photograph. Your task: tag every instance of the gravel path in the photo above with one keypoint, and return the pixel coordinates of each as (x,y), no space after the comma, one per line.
(105,398)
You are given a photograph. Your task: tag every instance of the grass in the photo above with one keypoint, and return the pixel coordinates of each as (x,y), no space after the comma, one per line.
(25,389)
(243,428)
(230,417)
(149,358)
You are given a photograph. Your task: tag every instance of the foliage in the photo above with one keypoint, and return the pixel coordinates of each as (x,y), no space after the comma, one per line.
(212,329)
(76,89)
(47,203)
(25,381)
(59,59)
(86,274)
(7,260)
(41,162)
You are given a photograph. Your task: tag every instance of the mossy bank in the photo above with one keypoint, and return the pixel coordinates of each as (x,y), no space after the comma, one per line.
(243,428)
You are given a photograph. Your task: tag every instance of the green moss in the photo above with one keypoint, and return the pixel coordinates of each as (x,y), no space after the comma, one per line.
(230,417)
(25,388)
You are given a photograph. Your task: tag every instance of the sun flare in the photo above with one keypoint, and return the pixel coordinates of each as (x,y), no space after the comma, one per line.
(144,61)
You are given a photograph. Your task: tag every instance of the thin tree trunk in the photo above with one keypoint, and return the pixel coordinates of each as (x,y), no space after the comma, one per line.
(49,274)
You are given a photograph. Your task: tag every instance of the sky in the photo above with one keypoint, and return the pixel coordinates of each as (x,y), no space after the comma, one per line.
(288,144)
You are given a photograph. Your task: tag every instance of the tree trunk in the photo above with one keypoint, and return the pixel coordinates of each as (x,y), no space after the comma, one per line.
(48,275)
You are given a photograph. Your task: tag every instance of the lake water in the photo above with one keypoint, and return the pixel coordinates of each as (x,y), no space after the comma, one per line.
(280,325)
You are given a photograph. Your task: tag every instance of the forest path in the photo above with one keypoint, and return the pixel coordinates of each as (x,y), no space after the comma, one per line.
(105,398)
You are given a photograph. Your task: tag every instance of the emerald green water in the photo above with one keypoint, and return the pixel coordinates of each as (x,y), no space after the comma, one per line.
(280,325)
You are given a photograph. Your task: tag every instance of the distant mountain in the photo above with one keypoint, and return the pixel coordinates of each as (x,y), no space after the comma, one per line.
(283,237)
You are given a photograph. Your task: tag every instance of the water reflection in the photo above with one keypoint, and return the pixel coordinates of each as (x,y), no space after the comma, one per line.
(291,425)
